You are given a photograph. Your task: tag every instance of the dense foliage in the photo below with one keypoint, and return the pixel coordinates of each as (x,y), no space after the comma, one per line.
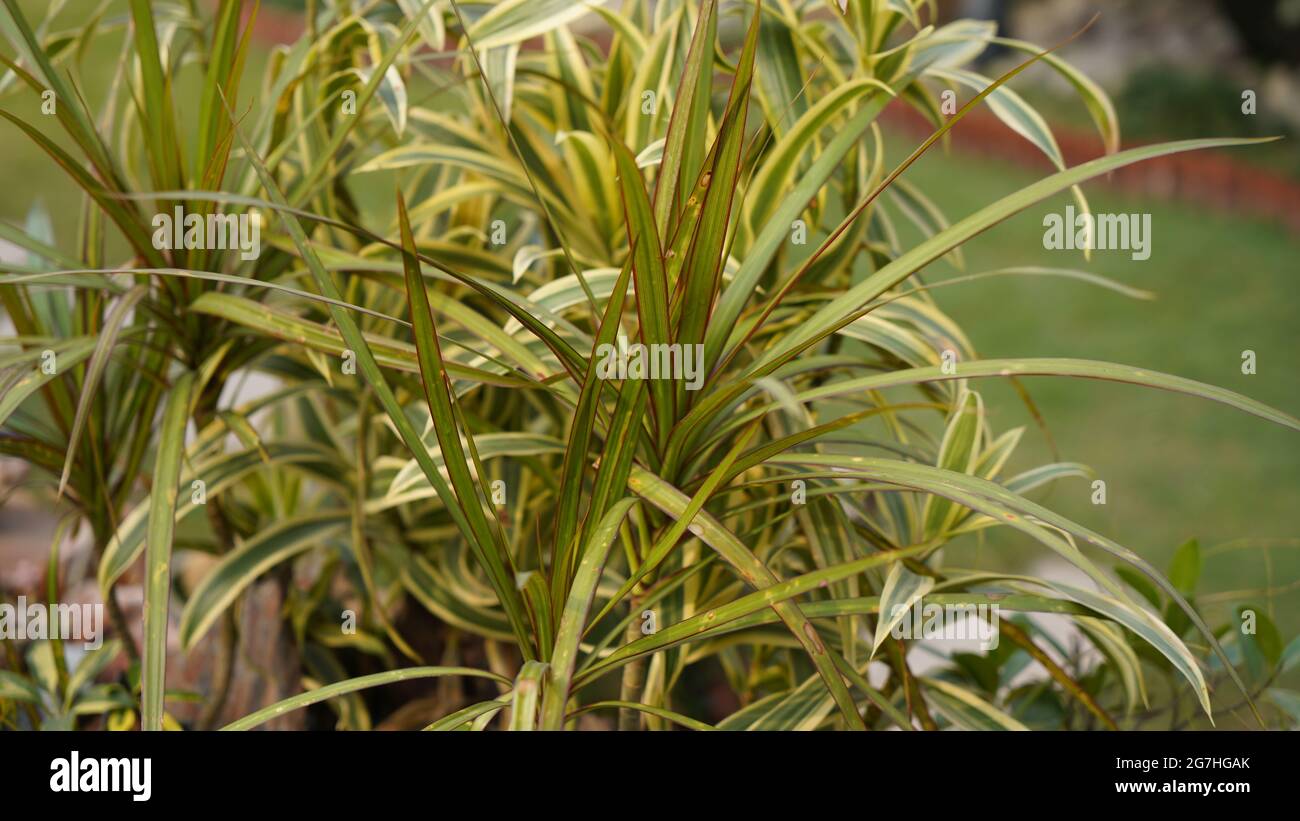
(439,434)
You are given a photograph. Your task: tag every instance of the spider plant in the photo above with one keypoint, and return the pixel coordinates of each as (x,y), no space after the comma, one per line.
(441,433)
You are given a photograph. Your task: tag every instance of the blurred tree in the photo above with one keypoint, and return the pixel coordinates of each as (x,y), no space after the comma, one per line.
(1269,29)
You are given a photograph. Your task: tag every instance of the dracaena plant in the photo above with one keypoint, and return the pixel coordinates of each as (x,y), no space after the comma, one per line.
(708,180)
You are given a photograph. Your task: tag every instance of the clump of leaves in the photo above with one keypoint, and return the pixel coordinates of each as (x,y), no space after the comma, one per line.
(440,434)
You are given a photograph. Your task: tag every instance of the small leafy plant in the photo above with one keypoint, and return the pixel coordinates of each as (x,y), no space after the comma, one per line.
(440,434)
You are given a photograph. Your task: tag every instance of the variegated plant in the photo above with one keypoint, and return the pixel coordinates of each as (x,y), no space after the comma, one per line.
(440,434)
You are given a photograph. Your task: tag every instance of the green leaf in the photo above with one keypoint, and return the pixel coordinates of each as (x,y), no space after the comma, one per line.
(967,710)
(1185,567)
(777,228)
(514,21)
(14,687)
(1046,527)
(217,473)
(649,709)
(843,306)
(957,452)
(222,73)
(754,573)
(573,622)
(340,131)
(158,549)
(159,116)
(428,21)
(370,369)
(1152,630)
(681,156)
(67,355)
(716,189)
(772,596)
(1290,656)
(1288,700)
(902,589)
(527,694)
(768,191)
(1110,640)
(90,666)
(95,371)
(436,590)
(352,685)
(1080,368)
(576,461)
(1264,644)
(650,278)
(241,567)
(481,712)
(1139,583)
(1096,100)
(489,547)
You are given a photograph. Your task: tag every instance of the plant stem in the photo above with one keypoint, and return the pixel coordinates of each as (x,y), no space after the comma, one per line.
(633,675)
(224,671)
(1071,686)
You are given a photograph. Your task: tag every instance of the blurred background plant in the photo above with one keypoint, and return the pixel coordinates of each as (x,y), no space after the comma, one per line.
(655,160)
